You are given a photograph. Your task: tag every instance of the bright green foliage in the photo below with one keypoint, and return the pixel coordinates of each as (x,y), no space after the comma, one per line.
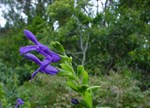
(78,81)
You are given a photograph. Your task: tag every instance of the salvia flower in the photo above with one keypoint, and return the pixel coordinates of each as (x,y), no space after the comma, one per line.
(74,101)
(42,49)
(19,102)
(43,69)
(49,55)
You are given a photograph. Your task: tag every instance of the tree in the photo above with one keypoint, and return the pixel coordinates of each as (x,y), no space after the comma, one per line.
(22,12)
(73,19)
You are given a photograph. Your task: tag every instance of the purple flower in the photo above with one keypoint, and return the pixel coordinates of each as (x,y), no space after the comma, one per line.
(19,102)
(43,69)
(42,49)
(50,56)
(74,101)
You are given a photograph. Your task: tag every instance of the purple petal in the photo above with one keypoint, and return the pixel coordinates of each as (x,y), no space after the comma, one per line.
(35,73)
(55,57)
(46,62)
(44,50)
(31,36)
(16,106)
(50,70)
(19,101)
(27,49)
(33,58)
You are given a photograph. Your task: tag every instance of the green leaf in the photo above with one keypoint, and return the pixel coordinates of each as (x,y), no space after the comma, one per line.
(85,77)
(83,74)
(80,68)
(65,73)
(72,85)
(88,99)
(66,67)
(65,58)
(93,88)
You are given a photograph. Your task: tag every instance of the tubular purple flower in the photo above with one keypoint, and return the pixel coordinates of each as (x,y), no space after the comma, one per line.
(19,102)
(42,49)
(33,58)
(31,36)
(50,56)
(44,66)
(26,49)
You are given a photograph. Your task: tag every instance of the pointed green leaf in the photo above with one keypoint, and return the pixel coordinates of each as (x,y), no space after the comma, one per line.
(72,85)
(65,73)
(65,58)
(66,67)
(80,68)
(85,77)
(88,99)
(82,74)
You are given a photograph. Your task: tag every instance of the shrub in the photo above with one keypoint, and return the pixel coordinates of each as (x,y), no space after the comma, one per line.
(120,90)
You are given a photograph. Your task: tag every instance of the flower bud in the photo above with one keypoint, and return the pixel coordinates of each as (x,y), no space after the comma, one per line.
(58,46)
(74,101)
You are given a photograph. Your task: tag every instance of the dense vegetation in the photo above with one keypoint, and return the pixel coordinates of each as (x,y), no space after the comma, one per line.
(112,42)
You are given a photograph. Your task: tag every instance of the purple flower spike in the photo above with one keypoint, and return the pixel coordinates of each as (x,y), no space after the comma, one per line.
(49,55)
(74,101)
(44,66)
(19,102)
(42,49)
